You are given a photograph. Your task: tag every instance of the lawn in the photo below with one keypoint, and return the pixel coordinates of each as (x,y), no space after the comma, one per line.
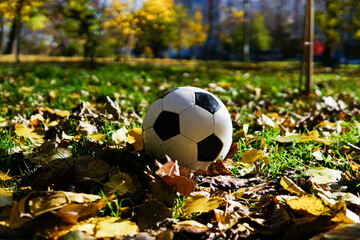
(70,158)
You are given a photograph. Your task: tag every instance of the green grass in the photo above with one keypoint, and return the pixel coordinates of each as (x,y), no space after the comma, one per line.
(247,90)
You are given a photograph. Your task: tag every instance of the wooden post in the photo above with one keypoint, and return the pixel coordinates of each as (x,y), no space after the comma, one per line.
(309,44)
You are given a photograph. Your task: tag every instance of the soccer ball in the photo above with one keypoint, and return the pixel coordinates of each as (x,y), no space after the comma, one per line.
(189,125)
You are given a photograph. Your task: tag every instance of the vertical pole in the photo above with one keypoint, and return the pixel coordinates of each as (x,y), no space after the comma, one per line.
(309,34)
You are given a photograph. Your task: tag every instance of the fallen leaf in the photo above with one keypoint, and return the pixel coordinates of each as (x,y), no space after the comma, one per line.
(120,136)
(135,139)
(86,129)
(190,226)
(37,203)
(111,227)
(218,168)
(31,133)
(121,183)
(226,182)
(290,186)
(150,212)
(226,219)
(113,108)
(177,177)
(4,176)
(88,166)
(310,205)
(200,203)
(251,156)
(310,136)
(6,198)
(234,148)
(324,175)
(253,162)
(287,138)
(97,136)
(267,121)
(343,232)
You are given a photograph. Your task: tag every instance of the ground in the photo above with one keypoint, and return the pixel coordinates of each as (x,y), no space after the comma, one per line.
(72,159)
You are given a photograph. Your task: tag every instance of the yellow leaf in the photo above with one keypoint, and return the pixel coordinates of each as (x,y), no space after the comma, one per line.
(290,186)
(34,133)
(4,176)
(135,139)
(114,227)
(200,203)
(252,156)
(311,136)
(226,219)
(288,138)
(97,136)
(310,204)
(26,89)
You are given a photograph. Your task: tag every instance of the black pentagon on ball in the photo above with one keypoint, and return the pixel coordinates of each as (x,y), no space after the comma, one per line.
(167,125)
(209,148)
(207,102)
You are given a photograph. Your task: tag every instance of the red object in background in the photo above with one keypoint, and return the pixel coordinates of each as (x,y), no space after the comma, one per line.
(319,48)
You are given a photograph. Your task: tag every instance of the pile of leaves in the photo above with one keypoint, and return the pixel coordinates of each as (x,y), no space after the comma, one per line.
(292,173)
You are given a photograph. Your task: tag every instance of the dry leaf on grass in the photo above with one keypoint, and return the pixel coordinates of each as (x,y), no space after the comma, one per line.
(177,177)
(290,186)
(200,203)
(120,183)
(135,139)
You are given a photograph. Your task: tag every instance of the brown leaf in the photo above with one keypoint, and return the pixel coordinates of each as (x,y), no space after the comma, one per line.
(226,182)
(151,212)
(113,108)
(121,183)
(37,203)
(73,212)
(233,150)
(88,166)
(177,177)
(217,168)
(344,232)
(190,226)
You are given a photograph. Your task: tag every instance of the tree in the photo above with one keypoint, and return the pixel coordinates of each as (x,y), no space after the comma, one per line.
(120,25)
(352,18)
(231,32)
(331,22)
(82,18)
(156,24)
(279,22)
(198,30)
(19,12)
(259,36)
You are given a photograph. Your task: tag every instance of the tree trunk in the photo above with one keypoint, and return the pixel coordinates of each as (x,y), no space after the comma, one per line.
(15,29)
(326,58)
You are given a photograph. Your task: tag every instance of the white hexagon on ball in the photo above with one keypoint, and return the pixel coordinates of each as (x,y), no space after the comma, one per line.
(178,101)
(196,123)
(189,125)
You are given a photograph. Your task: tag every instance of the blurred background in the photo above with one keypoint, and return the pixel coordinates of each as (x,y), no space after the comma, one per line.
(244,30)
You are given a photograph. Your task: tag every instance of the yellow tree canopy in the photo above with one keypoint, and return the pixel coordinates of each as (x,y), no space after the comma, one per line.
(27,10)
